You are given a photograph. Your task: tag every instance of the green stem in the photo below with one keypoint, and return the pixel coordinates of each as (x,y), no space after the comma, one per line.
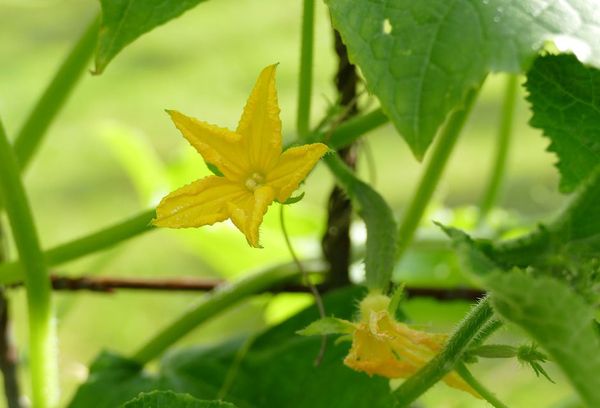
(353,128)
(306,66)
(498,174)
(212,304)
(12,272)
(466,375)
(432,173)
(447,359)
(55,95)
(42,341)
(486,331)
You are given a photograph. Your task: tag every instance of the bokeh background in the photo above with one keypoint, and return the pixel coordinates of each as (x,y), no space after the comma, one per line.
(113,152)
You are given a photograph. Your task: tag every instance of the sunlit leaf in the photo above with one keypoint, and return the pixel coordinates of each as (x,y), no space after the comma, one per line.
(420,58)
(327,325)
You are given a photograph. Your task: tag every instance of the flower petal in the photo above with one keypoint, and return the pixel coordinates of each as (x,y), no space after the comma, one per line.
(248,211)
(217,145)
(202,202)
(260,125)
(293,167)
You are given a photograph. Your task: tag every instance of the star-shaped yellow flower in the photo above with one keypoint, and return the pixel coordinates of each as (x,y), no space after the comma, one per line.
(255,170)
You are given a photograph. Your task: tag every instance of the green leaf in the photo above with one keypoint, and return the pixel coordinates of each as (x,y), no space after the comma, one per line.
(573,238)
(168,399)
(113,380)
(275,369)
(294,200)
(470,253)
(565,100)
(379,219)
(214,169)
(123,21)
(327,325)
(420,58)
(556,318)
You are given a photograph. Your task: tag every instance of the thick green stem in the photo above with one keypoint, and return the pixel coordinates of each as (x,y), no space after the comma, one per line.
(432,173)
(12,272)
(486,394)
(350,130)
(42,341)
(55,95)
(353,128)
(212,304)
(498,174)
(447,359)
(306,62)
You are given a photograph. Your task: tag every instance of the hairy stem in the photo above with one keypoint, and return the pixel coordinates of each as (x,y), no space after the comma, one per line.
(12,272)
(432,173)
(42,341)
(486,394)
(52,100)
(505,130)
(306,67)
(447,359)
(212,304)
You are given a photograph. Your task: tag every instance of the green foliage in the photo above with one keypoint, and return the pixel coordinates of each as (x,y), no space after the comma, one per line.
(327,325)
(381,248)
(272,370)
(422,57)
(169,399)
(565,99)
(113,381)
(558,319)
(571,241)
(547,309)
(125,20)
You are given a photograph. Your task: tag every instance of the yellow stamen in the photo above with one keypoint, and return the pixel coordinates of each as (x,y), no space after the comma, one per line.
(254,181)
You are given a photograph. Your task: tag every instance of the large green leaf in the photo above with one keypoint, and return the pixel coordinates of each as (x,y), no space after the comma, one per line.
(565,100)
(168,399)
(125,20)
(556,318)
(381,248)
(420,58)
(273,370)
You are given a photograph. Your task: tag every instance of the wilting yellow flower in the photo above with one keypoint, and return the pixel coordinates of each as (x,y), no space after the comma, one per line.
(383,346)
(255,171)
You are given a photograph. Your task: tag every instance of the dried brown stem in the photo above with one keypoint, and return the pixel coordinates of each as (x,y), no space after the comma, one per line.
(336,240)
(191,284)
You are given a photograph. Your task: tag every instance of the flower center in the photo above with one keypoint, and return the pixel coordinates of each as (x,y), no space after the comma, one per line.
(254,181)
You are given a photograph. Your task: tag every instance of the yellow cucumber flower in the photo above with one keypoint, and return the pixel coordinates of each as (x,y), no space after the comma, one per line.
(255,170)
(384,346)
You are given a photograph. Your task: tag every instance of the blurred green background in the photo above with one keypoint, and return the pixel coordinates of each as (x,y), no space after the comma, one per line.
(113,152)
